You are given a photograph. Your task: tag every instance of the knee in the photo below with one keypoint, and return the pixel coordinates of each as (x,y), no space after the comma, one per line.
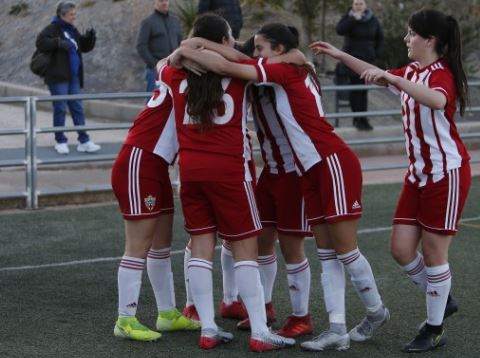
(401,254)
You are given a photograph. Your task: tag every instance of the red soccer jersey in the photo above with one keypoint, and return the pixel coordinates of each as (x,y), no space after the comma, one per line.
(298,102)
(221,153)
(154,128)
(276,151)
(431,138)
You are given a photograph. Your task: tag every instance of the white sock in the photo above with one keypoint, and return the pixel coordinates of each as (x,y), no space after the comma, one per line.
(188,291)
(298,276)
(129,284)
(438,287)
(159,269)
(251,292)
(201,284)
(362,279)
(333,285)
(415,270)
(230,289)
(268,273)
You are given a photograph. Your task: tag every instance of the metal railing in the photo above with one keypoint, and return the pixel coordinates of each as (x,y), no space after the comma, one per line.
(31,161)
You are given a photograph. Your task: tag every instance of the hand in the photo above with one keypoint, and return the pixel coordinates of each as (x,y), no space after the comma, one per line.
(175,58)
(324,48)
(90,32)
(64,44)
(194,42)
(376,76)
(194,67)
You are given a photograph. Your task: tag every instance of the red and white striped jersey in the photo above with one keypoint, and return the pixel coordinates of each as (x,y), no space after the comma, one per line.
(221,153)
(276,152)
(431,138)
(154,129)
(298,102)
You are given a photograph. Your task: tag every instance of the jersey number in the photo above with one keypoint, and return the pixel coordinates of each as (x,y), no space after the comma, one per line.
(227,100)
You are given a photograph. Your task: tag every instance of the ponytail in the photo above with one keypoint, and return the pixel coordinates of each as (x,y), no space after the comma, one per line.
(453,55)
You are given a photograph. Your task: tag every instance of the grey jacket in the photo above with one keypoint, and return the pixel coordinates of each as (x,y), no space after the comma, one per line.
(158,37)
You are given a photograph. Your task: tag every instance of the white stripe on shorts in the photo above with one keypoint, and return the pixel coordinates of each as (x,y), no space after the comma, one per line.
(453,197)
(133,181)
(338,184)
(253,204)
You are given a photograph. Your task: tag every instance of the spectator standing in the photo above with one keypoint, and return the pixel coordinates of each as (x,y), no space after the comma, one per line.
(363,39)
(160,34)
(64,74)
(230,10)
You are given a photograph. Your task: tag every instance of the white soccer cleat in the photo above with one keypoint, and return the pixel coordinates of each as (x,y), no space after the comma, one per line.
(328,340)
(88,147)
(269,341)
(366,329)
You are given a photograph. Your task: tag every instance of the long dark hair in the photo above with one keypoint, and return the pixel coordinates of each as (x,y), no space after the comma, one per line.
(204,93)
(278,34)
(431,23)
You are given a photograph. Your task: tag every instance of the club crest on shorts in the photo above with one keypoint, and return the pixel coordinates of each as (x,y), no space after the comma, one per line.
(150,202)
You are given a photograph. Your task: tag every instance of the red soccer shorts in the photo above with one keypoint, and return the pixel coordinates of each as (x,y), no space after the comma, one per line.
(228,208)
(333,189)
(280,203)
(436,207)
(141,184)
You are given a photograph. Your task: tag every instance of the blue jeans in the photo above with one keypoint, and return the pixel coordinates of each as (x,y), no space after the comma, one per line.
(60,109)
(150,78)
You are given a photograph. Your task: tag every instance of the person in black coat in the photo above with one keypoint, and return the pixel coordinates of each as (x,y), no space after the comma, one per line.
(64,75)
(364,40)
(228,9)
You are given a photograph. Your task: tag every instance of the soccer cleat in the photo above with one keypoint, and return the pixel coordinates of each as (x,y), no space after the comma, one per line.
(296,326)
(173,320)
(450,309)
(234,310)
(328,340)
(62,148)
(271,317)
(130,328)
(191,313)
(269,341)
(426,341)
(210,338)
(88,147)
(365,329)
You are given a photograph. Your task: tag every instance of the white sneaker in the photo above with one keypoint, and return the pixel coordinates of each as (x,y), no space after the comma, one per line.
(365,329)
(88,147)
(62,148)
(264,342)
(328,340)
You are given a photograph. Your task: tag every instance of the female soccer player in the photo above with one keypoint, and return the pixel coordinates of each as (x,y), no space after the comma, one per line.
(439,172)
(281,215)
(142,186)
(216,190)
(331,181)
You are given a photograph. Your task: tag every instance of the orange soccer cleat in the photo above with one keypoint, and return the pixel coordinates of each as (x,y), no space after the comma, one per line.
(296,326)
(234,310)
(271,317)
(191,312)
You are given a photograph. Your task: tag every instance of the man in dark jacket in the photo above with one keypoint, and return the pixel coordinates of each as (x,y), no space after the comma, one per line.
(364,40)
(229,9)
(64,75)
(160,34)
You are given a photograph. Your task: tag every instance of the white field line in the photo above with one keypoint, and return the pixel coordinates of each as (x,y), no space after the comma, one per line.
(174,252)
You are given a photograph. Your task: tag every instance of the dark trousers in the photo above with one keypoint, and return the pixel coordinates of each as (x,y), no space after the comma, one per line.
(358,99)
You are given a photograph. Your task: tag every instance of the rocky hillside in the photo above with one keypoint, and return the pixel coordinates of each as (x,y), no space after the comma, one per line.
(114,65)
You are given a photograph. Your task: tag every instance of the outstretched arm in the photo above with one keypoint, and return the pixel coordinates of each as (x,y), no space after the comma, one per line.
(228,52)
(421,93)
(356,65)
(215,63)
